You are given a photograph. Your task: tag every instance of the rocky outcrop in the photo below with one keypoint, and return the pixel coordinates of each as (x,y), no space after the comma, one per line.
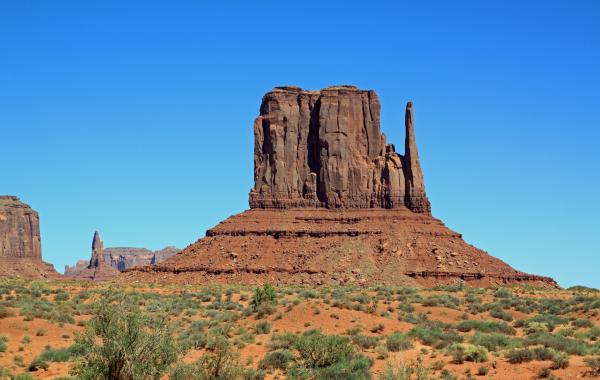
(106,263)
(20,243)
(325,149)
(332,204)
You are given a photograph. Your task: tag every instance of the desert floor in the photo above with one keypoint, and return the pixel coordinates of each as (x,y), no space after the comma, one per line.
(450,332)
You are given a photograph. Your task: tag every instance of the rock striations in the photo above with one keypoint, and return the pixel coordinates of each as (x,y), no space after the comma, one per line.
(333,203)
(105,263)
(20,243)
(325,149)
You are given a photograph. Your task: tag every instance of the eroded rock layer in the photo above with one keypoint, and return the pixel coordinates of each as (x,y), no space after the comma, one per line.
(321,246)
(20,243)
(325,149)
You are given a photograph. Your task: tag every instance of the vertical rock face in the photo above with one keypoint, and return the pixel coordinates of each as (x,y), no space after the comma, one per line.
(20,243)
(19,230)
(97,251)
(325,149)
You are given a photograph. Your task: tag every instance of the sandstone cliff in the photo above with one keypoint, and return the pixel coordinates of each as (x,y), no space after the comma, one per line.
(325,149)
(20,243)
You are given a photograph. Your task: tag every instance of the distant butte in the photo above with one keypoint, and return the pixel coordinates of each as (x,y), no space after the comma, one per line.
(333,203)
(106,263)
(20,241)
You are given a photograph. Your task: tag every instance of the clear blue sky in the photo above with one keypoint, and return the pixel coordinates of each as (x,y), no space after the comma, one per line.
(135,118)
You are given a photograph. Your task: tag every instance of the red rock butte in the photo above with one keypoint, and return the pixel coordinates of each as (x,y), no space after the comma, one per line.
(20,243)
(333,203)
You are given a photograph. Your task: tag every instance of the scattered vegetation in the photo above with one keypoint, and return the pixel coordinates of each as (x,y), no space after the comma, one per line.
(153,332)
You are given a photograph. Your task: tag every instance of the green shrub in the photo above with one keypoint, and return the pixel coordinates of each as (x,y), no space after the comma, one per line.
(263,327)
(486,327)
(519,355)
(557,342)
(492,342)
(502,293)
(220,362)
(317,350)
(121,344)
(501,314)
(5,313)
(433,335)
(560,360)
(264,295)
(594,364)
(38,364)
(582,323)
(402,371)
(467,352)
(3,343)
(365,341)
(279,359)
(61,297)
(356,368)
(398,342)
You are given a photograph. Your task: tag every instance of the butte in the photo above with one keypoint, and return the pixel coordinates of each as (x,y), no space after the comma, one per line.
(333,203)
(20,242)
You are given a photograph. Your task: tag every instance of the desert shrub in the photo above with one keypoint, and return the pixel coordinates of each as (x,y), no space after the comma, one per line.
(60,354)
(282,341)
(22,376)
(264,295)
(5,313)
(356,368)
(560,360)
(193,338)
(467,352)
(62,296)
(398,342)
(482,371)
(486,327)
(122,344)
(279,359)
(558,343)
(519,355)
(221,362)
(377,328)
(403,371)
(550,320)
(492,342)
(262,327)
(317,350)
(365,341)
(582,323)
(593,333)
(444,300)
(37,364)
(3,343)
(535,328)
(501,314)
(594,364)
(435,335)
(502,293)
(544,373)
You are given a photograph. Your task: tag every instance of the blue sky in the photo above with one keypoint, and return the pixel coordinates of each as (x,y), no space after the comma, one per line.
(135,118)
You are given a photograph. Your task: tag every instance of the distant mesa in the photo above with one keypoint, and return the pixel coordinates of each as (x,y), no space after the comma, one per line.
(332,203)
(106,263)
(20,241)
